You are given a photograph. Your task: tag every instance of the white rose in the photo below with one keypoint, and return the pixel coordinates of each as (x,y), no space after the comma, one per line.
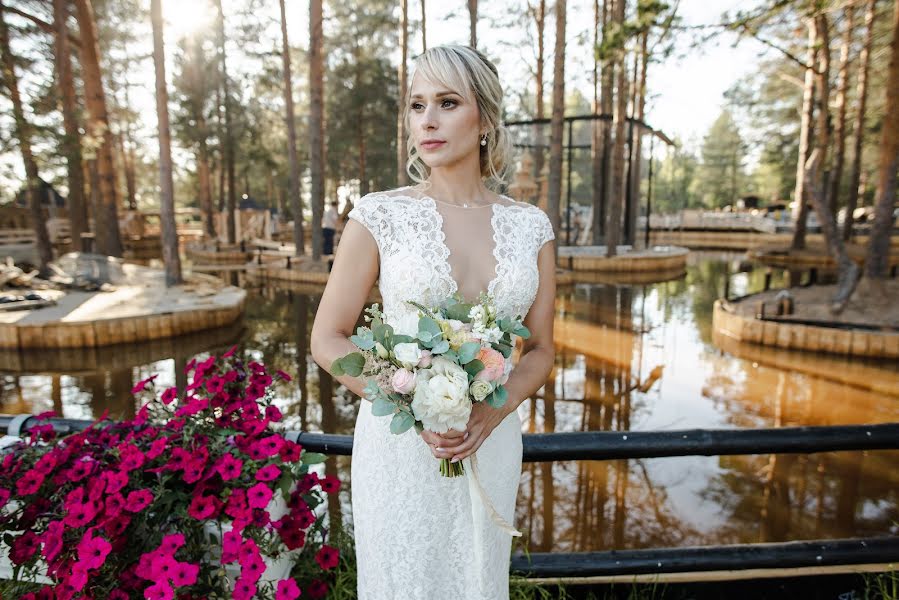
(480,389)
(406,324)
(407,353)
(441,399)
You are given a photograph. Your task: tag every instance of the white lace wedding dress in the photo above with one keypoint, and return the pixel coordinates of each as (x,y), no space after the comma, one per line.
(419,535)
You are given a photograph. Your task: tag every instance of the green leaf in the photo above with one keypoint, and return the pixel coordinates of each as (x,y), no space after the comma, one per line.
(459,311)
(371,389)
(381,407)
(353,363)
(402,339)
(311,458)
(440,347)
(336,368)
(450,355)
(401,422)
(284,485)
(498,397)
(504,349)
(474,367)
(362,342)
(430,325)
(522,332)
(382,332)
(468,351)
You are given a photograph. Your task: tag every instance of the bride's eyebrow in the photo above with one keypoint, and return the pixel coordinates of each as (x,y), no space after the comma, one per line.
(437,95)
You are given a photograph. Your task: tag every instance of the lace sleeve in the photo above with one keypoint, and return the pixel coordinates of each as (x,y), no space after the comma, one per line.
(366,212)
(544,229)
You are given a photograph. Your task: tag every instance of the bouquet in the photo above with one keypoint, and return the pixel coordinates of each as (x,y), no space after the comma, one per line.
(195,497)
(428,369)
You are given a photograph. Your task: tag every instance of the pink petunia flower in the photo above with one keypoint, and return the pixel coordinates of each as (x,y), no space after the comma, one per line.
(203,507)
(229,467)
(243,589)
(29,483)
(185,574)
(287,590)
(140,385)
(171,543)
(24,547)
(92,551)
(327,557)
(138,500)
(290,452)
(268,473)
(330,484)
(159,591)
(169,395)
(259,496)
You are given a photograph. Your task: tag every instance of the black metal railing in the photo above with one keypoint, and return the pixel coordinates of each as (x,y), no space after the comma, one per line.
(607,445)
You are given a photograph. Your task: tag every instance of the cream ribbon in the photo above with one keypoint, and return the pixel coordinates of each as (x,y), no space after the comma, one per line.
(474,483)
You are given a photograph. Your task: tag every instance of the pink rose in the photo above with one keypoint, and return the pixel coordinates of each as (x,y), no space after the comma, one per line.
(425,360)
(403,381)
(494,364)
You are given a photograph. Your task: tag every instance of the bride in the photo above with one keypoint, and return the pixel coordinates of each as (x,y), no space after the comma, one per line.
(420,535)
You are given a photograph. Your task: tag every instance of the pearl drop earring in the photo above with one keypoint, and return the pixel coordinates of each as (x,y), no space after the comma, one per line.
(484,140)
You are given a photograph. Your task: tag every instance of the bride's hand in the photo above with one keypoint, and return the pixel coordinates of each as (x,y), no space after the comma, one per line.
(483,420)
(437,441)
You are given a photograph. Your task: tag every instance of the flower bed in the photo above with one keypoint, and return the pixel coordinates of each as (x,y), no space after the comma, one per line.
(196,497)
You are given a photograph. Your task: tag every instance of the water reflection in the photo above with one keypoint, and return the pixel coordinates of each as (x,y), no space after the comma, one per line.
(630,356)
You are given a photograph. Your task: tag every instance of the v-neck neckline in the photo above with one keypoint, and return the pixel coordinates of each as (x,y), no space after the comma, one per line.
(494,215)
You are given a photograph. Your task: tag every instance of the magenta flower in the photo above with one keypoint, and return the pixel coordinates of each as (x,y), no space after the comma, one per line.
(266,447)
(131,458)
(157,447)
(159,591)
(268,473)
(161,567)
(243,589)
(215,384)
(290,452)
(92,551)
(330,484)
(259,496)
(193,406)
(327,557)
(52,539)
(115,480)
(78,577)
(29,483)
(169,395)
(229,467)
(231,543)
(140,385)
(283,375)
(171,543)
(273,413)
(114,504)
(138,500)
(317,589)
(24,547)
(203,507)
(287,590)
(185,574)
(79,515)
(230,351)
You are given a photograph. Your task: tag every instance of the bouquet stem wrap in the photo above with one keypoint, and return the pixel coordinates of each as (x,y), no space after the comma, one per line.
(474,483)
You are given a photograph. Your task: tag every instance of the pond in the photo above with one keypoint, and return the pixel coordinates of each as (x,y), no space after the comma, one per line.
(629,357)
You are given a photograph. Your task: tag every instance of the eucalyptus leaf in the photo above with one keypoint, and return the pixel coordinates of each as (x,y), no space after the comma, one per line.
(504,349)
(353,364)
(499,397)
(440,347)
(522,332)
(430,325)
(450,355)
(468,351)
(364,343)
(401,422)
(381,407)
(474,367)
(459,312)
(402,339)
(336,368)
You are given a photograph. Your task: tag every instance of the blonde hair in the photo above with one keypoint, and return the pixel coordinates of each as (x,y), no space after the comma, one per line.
(465,70)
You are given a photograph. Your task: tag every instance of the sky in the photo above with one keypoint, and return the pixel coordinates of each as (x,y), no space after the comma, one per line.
(685,91)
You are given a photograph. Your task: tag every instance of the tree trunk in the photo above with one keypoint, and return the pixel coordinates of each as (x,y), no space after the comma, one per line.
(316,122)
(473,23)
(800,211)
(861,99)
(596,131)
(361,124)
(558,122)
(424,28)
(822,110)
(205,178)
(23,132)
(839,133)
(296,203)
(166,188)
(127,154)
(619,182)
(539,14)
(402,149)
(605,146)
(636,155)
(228,141)
(106,218)
(877,259)
(72,139)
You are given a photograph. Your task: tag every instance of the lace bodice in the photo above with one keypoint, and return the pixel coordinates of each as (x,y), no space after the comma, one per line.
(415,258)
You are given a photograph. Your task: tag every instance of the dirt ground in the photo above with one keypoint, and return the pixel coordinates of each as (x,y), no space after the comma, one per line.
(875,304)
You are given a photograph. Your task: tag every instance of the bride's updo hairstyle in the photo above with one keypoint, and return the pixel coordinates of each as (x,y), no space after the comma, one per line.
(466,71)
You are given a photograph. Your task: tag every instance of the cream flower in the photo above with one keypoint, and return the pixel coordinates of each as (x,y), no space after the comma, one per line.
(480,389)
(441,399)
(407,353)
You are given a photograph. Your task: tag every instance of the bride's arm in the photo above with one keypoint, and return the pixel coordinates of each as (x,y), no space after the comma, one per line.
(352,276)
(535,365)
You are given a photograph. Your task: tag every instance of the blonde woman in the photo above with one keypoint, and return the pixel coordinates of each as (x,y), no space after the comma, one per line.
(419,535)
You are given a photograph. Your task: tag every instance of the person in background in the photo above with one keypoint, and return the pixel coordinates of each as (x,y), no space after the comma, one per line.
(329,225)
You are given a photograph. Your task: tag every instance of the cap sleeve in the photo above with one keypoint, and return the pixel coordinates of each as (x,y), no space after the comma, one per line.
(368,212)
(545,231)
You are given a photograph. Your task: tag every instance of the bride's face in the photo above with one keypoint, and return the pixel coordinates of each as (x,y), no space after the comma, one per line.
(444,124)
